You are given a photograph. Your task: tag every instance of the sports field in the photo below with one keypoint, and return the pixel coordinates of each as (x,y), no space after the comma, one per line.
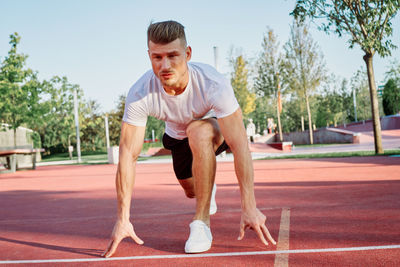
(322,212)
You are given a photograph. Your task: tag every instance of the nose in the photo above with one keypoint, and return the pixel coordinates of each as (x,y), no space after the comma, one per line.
(165,64)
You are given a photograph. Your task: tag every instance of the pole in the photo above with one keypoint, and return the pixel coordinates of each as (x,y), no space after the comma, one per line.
(107,133)
(355,104)
(278,107)
(78,140)
(216,57)
(223,154)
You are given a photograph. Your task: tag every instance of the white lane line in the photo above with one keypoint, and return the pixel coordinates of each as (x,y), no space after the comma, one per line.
(207,255)
(282,259)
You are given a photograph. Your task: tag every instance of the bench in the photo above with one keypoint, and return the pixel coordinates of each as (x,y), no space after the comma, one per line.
(11,155)
(284,146)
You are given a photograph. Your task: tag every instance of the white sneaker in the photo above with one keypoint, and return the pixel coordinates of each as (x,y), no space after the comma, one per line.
(200,238)
(213,203)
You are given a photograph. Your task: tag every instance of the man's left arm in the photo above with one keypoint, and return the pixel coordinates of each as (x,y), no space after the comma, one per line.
(234,133)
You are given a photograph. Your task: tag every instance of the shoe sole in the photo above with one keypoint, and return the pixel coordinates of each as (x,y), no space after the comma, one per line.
(198,250)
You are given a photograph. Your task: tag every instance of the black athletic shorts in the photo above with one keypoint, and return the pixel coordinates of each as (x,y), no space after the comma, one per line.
(182,155)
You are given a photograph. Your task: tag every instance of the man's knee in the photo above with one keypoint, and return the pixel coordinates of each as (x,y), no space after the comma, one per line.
(190,193)
(202,134)
(188,187)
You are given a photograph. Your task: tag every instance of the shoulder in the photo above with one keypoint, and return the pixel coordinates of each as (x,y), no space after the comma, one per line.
(136,105)
(208,78)
(216,87)
(206,72)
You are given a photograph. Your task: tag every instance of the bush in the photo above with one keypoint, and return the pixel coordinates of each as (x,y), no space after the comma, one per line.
(391,97)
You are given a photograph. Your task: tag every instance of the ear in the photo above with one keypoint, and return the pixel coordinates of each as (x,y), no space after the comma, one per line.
(188,53)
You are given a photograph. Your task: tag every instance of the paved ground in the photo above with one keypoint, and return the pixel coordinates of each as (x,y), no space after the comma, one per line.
(390,140)
(322,212)
(341,212)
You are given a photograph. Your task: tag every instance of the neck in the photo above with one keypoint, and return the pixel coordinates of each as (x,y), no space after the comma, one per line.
(178,88)
(174,91)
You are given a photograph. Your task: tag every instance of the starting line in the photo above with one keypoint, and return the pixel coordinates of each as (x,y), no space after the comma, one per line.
(206,255)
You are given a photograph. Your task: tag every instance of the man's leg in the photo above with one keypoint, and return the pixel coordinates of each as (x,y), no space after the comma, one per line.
(188,185)
(204,139)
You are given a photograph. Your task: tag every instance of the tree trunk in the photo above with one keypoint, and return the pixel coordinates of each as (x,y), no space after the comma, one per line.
(310,128)
(368,57)
(278,108)
(15,138)
(278,115)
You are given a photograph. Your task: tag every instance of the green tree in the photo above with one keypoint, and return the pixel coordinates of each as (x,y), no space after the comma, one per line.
(305,66)
(92,127)
(267,83)
(333,105)
(368,22)
(391,97)
(394,71)
(291,115)
(260,113)
(20,90)
(58,129)
(114,121)
(239,81)
(359,83)
(154,124)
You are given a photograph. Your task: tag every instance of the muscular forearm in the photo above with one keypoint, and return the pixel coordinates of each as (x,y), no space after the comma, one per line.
(124,184)
(131,142)
(232,129)
(245,175)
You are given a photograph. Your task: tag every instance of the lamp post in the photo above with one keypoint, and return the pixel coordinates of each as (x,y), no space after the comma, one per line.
(78,140)
(107,132)
(215,48)
(355,104)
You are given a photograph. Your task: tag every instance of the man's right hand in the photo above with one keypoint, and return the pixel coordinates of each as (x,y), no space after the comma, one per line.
(121,230)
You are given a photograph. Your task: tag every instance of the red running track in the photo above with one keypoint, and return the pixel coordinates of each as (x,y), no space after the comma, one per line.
(335,212)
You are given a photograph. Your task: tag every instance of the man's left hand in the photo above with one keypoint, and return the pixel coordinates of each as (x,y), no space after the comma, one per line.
(255,220)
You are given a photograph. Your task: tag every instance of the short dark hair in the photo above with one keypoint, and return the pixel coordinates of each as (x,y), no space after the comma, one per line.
(165,32)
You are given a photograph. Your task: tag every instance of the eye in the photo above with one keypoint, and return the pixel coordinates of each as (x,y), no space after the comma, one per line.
(173,55)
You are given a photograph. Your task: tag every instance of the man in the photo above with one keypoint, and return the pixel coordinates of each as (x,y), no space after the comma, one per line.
(202,119)
(251,130)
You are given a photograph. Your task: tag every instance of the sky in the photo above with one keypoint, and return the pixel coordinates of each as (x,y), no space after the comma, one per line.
(101,45)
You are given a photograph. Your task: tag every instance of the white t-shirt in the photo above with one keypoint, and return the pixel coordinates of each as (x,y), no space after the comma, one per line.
(208,94)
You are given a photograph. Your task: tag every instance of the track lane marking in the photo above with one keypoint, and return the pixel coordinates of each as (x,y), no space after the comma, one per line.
(207,255)
(282,259)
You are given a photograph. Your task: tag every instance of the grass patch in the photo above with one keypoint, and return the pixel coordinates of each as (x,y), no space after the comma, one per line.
(91,160)
(146,146)
(321,145)
(336,155)
(154,157)
(89,157)
(92,155)
(85,156)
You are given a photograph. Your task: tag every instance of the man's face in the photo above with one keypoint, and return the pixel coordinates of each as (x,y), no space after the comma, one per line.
(169,62)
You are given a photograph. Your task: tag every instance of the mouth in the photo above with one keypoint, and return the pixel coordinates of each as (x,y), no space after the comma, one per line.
(166,75)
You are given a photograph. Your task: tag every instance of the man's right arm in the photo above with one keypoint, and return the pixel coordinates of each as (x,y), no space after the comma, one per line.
(131,142)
